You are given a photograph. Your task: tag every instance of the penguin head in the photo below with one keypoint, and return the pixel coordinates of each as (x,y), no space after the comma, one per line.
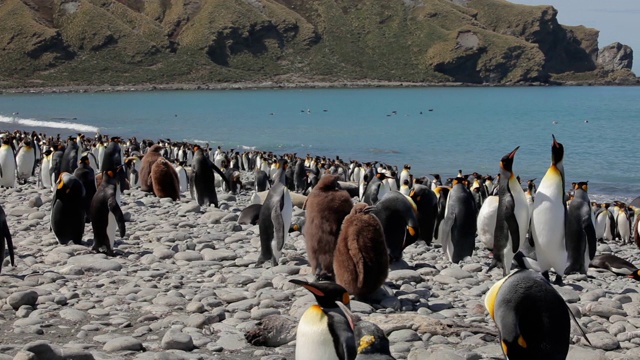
(326,293)
(557,151)
(370,339)
(635,275)
(506,163)
(583,185)
(328,182)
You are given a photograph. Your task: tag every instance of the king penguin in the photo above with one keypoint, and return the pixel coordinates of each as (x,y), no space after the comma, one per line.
(457,231)
(201,182)
(67,210)
(84,172)
(25,161)
(605,224)
(371,341)
(7,164)
(580,235)
(427,204)
(275,218)
(512,217)
(5,235)
(106,214)
(324,331)
(532,318)
(548,218)
(616,265)
(622,222)
(398,215)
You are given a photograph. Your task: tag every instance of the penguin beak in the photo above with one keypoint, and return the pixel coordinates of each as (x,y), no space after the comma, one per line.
(513,153)
(555,143)
(348,314)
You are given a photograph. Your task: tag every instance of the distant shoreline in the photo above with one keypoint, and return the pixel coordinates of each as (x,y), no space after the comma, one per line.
(277,85)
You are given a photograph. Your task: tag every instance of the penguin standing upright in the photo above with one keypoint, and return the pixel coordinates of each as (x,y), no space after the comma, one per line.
(69,161)
(376,189)
(84,172)
(133,169)
(275,218)
(486,222)
(326,208)
(397,214)
(300,177)
(405,174)
(7,164)
(532,318)
(25,161)
(5,236)
(45,165)
(152,155)
(112,157)
(427,204)
(56,165)
(512,217)
(548,218)
(201,183)
(442,194)
(361,259)
(605,224)
(580,234)
(622,223)
(458,228)
(106,214)
(324,331)
(67,210)
(182,175)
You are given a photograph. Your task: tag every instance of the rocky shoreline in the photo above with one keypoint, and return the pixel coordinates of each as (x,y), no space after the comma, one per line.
(184,286)
(283,85)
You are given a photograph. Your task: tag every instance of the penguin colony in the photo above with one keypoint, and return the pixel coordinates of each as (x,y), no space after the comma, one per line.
(360,217)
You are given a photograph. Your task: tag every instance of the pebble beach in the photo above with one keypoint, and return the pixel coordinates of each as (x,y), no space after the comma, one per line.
(184,285)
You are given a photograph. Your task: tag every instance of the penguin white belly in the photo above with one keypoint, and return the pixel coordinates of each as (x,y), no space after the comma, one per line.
(547,225)
(621,270)
(383,190)
(486,221)
(25,161)
(445,240)
(607,229)
(521,209)
(287,214)
(313,338)
(404,190)
(217,180)
(600,225)
(45,178)
(111,229)
(182,177)
(7,161)
(623,227)
(255,198)
(404,176)
(100,155)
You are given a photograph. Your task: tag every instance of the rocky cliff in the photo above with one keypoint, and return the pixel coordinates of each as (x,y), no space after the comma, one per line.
(115,42)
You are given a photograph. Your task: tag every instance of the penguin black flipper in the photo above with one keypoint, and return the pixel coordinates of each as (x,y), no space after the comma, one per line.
(5,235)
(342,334)
(1,175)
(117,212)
(222,175)
(514,231)
(590,233)
(278,230)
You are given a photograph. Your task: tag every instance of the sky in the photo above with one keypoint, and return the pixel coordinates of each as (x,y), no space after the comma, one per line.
(617,20)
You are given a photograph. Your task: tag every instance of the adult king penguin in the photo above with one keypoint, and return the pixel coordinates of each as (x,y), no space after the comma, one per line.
(532,318)
(201,182)
(5,235)
(549,217)
(616,265)
(84,172)
(580,235)
(25,161)
(275,218)
(605,224)
(67,210)
(324,330)
(458,228)
(7,164)
(512,217)
(398,215)
(106,214)
(427,204)
(326,207)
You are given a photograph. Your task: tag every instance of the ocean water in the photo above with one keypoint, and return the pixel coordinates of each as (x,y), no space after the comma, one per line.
(436,130)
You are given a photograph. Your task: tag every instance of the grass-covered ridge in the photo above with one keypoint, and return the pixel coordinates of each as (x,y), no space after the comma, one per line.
(129,42)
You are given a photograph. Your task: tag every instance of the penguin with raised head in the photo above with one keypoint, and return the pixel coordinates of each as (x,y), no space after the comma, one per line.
(84,172)
(397,214)
(512,217)
(549,216)
(605,224)
(324,331)
(5,236)
(67,210)
(616,265)
(201,182)
(532,318)
(7,163)
(457,231)
(25,161)
(427,204)
(361,259)
(275,218)
(580,234)
(106,214)
(326,208)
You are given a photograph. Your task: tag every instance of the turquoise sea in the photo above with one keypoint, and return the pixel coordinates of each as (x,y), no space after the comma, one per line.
(436,130)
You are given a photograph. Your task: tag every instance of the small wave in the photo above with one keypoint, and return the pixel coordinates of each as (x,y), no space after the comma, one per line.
(48,124)
(245,147)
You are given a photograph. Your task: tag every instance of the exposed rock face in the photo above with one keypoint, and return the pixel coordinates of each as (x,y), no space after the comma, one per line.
(615,56)
(185,41)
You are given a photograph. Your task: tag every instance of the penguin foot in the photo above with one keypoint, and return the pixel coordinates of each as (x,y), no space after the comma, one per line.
(558,281)
(545,274)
